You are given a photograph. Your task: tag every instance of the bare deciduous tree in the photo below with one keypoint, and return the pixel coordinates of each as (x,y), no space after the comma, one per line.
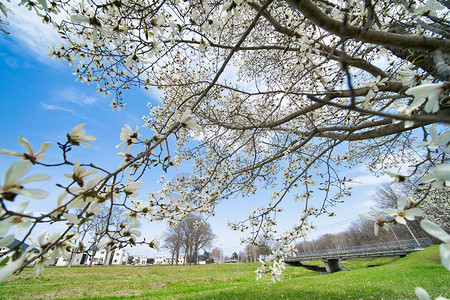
(192,234)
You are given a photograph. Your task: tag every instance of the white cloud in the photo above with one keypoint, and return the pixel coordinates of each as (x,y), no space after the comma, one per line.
(366,204)
(28,31)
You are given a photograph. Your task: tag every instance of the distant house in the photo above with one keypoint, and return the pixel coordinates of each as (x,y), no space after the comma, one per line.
(115,257)
(100,257)
(120,257)
(202,260)
(140,261)
(78,259)
(161,260)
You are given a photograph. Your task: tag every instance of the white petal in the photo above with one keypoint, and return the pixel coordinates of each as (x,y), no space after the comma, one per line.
(33,193)
(10,268)
(367,217)
(61,199)
(26,145)
(401,203)
(9,152)
(4,226)
(390,211)
(376,228)
(435,230)
(35,177)
(7,240)
(71,218)
(16,170)
(79,19)
(400,220)
(445,255)
(413,212)
(44,147)
(422,294)
(432,105)
(442,172)
(21,207)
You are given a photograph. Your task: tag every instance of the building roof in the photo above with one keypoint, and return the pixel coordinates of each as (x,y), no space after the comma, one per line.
(24,245)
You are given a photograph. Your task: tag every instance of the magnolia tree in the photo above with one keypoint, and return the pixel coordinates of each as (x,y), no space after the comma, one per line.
(258,94)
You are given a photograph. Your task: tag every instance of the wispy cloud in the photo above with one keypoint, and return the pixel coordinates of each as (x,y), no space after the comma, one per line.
(368,180)
(76,96)
(60,108)
(28,31)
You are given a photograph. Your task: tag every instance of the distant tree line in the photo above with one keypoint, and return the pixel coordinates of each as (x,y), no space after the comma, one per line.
(187,238)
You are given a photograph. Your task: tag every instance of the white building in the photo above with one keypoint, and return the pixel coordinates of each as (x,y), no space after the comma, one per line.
(141,261)
(100,257)
(78,259)
(161,260)
(120,257)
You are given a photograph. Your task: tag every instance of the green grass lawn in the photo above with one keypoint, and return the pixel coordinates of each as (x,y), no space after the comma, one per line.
(392,279)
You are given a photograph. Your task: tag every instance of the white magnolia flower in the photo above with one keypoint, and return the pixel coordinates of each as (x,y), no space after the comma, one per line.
(80,173)
(155,244)
(400,214)
(18,220)
(111,241)
(379,221)
(63,248)
(378,82)
(44,239)
(129,137)
(436,231)
(409,76)
(439,139)
(397,177)
(133,216)
(131,188)
(187,120)
(176,161)
(431,91)
(130,232)
(429,8)
(11,266)
(41,263)
(60,201)
(87,187)
(30,155)
(78,135)
(12,186)
(441,175)
(84,195)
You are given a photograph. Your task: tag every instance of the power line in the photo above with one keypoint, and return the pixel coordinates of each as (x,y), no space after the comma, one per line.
(348,221)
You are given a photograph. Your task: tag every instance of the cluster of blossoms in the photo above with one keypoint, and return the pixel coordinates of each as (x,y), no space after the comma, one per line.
(86,195)
(298,97)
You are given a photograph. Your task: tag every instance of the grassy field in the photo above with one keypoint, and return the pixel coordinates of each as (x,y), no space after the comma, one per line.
(392,279)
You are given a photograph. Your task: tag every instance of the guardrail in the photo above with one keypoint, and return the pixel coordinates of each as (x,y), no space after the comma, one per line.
(399,248)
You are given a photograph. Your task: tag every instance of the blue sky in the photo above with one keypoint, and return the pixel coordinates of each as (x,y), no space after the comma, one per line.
(41,101)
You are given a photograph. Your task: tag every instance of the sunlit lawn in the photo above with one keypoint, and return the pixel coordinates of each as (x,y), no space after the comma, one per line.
(393,280)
